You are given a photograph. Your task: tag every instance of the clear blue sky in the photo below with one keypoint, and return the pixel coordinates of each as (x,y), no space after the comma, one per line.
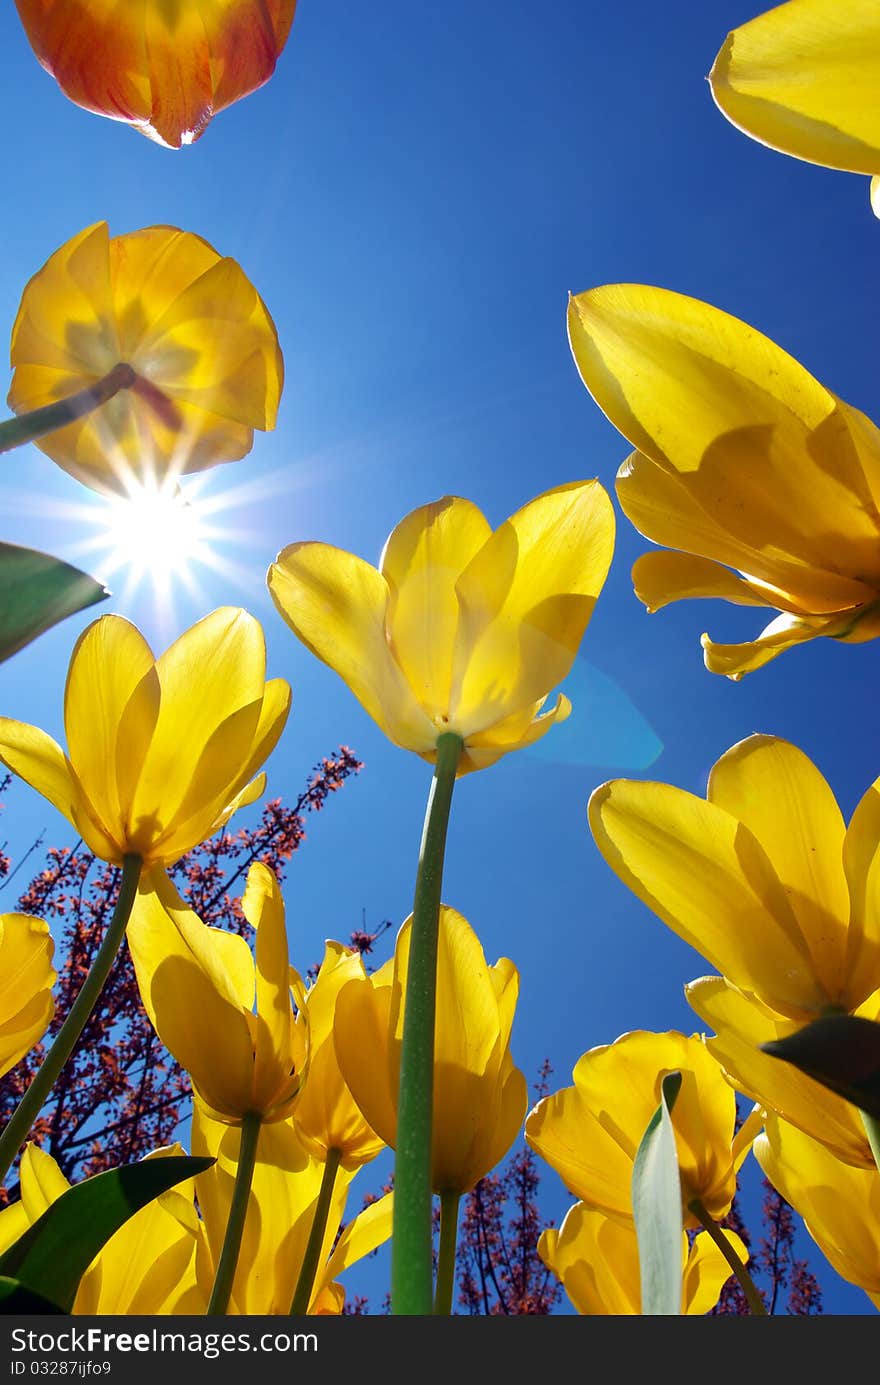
(415,193)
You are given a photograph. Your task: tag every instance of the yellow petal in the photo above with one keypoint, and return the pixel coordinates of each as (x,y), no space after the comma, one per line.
(597,1260)
(336,604)
(741,1025)
(786,631)
(26,980)
(362,1235)
(523,728)
(526,599)
(361,1040)
(707,877)
(423,558)
(41,762)
(759,444)
(111,701)
(803,79)
(662,505)
(200,742)
(779,794)
(659,578)
(280,1052)
(707,1271)
(192,980)
(840,1204)
(861,857)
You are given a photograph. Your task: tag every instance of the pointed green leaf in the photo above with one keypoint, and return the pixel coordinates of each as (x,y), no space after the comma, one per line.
(840,1051)
(656,1200)
(36,592)
(15,1298)
(52,1256)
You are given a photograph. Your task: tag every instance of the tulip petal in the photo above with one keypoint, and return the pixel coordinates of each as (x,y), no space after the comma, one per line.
(360,1037)
(278,1066)
(224,656)
(526,599)
(215,346)
(759,444)
(661,505)
(781,797)
(803,79)
(40,762)
(741,1025)
(707,877)
(362,1235)
(861,858)
(840,1205)
(336,604)
(659,578)
(111,702)
(786,631)
(421,562)
(26,980)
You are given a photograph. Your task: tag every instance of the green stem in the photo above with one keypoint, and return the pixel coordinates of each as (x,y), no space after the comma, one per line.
(305,1283)
(32,1102)
(35,424)
(446,1254)
(411,1244)
(746,1283)
(872,1130)
(244,1175)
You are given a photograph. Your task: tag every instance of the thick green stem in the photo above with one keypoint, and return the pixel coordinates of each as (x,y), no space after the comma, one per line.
(32,1102)
(303,1292)
(446,1255)
(872,1130)
(244,1175)
(746,1283)
(411,1244)
(35,424)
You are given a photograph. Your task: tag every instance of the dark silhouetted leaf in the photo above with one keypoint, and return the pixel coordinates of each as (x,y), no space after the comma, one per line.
(36,592)
(53,1254)
(840,1051)
(656,1200)
(15,1298)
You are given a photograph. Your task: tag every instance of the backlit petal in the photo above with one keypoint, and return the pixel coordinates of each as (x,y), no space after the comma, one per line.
(803,79)
(336,603)
(422,561)
(707,877)
(526,599)
(778,793)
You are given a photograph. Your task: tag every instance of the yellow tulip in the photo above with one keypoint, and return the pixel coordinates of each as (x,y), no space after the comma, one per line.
(762,876)
(480,1098)
(803,78)
(590,1132)
(160,752)
(197,337)
(326,1116)
(840,1205)
(281,1209)
(742,1024)
(199,986)
(765,880)
(166,69)
(760,480)
(596,1258)
(26,980)
(146,1267)
(461,628)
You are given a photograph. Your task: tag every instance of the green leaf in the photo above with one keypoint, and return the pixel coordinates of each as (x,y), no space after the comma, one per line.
(52,1256)
(15,1298)
(36,592)
(656,1200)
(840,1051)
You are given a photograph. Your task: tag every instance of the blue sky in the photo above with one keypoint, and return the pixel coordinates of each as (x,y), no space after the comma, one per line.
(415,193)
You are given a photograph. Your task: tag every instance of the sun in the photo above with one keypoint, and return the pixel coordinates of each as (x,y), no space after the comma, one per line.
(156,533)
